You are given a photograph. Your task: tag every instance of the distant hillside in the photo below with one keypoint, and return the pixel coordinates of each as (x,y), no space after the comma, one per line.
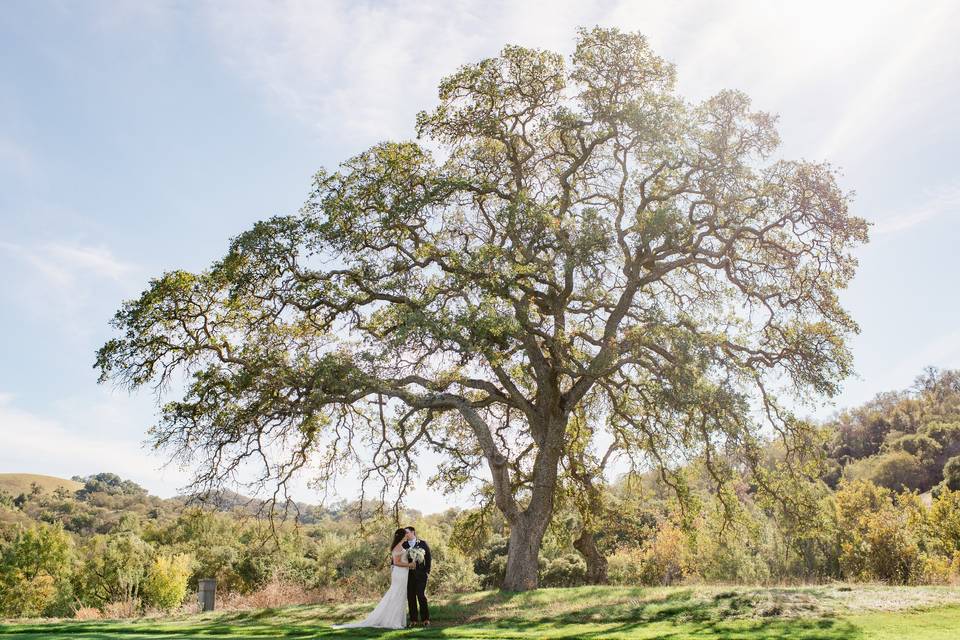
(17,483)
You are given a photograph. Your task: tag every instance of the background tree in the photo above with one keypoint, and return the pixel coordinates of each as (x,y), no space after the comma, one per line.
(586,489)
(579,229)
(35,569)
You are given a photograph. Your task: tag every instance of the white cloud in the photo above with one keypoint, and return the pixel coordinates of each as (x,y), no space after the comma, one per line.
(97,261)
(66,265)
(58,282)
(932,204)
(881,98)
(359,71)
(73,445)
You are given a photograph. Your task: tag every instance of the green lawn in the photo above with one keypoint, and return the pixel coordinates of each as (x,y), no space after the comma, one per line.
(821,613)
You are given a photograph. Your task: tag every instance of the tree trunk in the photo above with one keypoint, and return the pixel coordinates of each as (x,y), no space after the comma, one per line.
(523,556)
(586,544)
(528,527)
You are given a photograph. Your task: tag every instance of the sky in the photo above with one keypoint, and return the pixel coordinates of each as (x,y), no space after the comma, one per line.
(137,138)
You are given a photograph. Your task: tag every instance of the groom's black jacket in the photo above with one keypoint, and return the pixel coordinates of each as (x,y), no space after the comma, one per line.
(425,567)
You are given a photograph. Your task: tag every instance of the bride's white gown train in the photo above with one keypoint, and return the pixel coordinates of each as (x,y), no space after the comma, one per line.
(391,611)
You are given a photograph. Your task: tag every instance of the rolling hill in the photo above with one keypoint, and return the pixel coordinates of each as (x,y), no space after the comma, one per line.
(17,483)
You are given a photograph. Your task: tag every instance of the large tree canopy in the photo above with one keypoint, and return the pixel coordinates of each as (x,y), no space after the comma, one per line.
(573,235)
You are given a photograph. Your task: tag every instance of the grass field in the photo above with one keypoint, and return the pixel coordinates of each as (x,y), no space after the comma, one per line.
(17,483)
(821,613)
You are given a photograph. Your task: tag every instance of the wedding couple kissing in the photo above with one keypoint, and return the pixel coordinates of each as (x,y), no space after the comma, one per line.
(410,561)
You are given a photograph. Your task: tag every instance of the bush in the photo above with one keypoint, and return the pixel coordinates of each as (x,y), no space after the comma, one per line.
(853,503)
(87,613)
(568,570)
(666,557)
(125,608)
(729,560)
(625,566)
(26,596)
(491,565)
(893,554)
(277,592)
(452,571)
(113,569)
(935,570)
(943,523)
(165,586)
(896,470)
(947,435)
(879,538)
(951,474)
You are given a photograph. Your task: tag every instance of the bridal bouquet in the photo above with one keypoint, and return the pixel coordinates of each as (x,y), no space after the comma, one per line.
(416,555)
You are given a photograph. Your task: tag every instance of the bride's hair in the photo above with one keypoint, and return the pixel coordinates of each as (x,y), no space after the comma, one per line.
(398,535)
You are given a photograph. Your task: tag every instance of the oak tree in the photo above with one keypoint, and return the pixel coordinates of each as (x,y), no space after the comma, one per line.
(563,232)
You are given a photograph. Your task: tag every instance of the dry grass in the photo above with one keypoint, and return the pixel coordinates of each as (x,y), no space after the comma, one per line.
(87,613)
(281,593)
(122,609)
(17,483)
(867,597)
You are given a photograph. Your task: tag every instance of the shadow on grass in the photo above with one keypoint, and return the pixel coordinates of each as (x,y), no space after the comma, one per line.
(647,614)
(822,629)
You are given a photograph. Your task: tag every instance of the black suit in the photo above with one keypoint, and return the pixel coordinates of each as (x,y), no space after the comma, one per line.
(417,584)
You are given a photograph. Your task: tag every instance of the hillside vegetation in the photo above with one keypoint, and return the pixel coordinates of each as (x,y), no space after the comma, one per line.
(902,440)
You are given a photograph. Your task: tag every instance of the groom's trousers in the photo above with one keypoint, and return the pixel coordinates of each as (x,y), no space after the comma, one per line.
(416,595)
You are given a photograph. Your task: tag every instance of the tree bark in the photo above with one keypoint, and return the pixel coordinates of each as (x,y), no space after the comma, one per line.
(523,555)
(528,526)
(586,544)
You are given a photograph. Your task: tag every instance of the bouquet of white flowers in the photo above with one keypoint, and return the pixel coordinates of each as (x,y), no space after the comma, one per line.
(416,555)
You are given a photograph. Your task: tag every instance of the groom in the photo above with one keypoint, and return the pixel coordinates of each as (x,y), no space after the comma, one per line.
(417,582)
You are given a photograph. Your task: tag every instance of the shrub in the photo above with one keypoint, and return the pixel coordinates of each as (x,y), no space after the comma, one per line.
(26,596)
(491,565)
(947,435)
(568,570)
(165,585)
(729,560)
(951,474)
(87,613)
(896,470)
(625,566)
(666,557)
(125,608)
(113,569)
(277,592)
(893,554)
(935,569)
(853,503)
(452,571)
(879,538)
(943,523)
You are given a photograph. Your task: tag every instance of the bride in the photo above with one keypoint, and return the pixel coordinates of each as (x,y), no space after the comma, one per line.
(391,611)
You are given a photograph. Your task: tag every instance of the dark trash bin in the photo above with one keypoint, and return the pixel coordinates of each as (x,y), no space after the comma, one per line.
(207,593)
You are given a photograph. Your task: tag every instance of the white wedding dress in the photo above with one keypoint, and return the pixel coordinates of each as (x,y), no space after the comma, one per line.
(391,611)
